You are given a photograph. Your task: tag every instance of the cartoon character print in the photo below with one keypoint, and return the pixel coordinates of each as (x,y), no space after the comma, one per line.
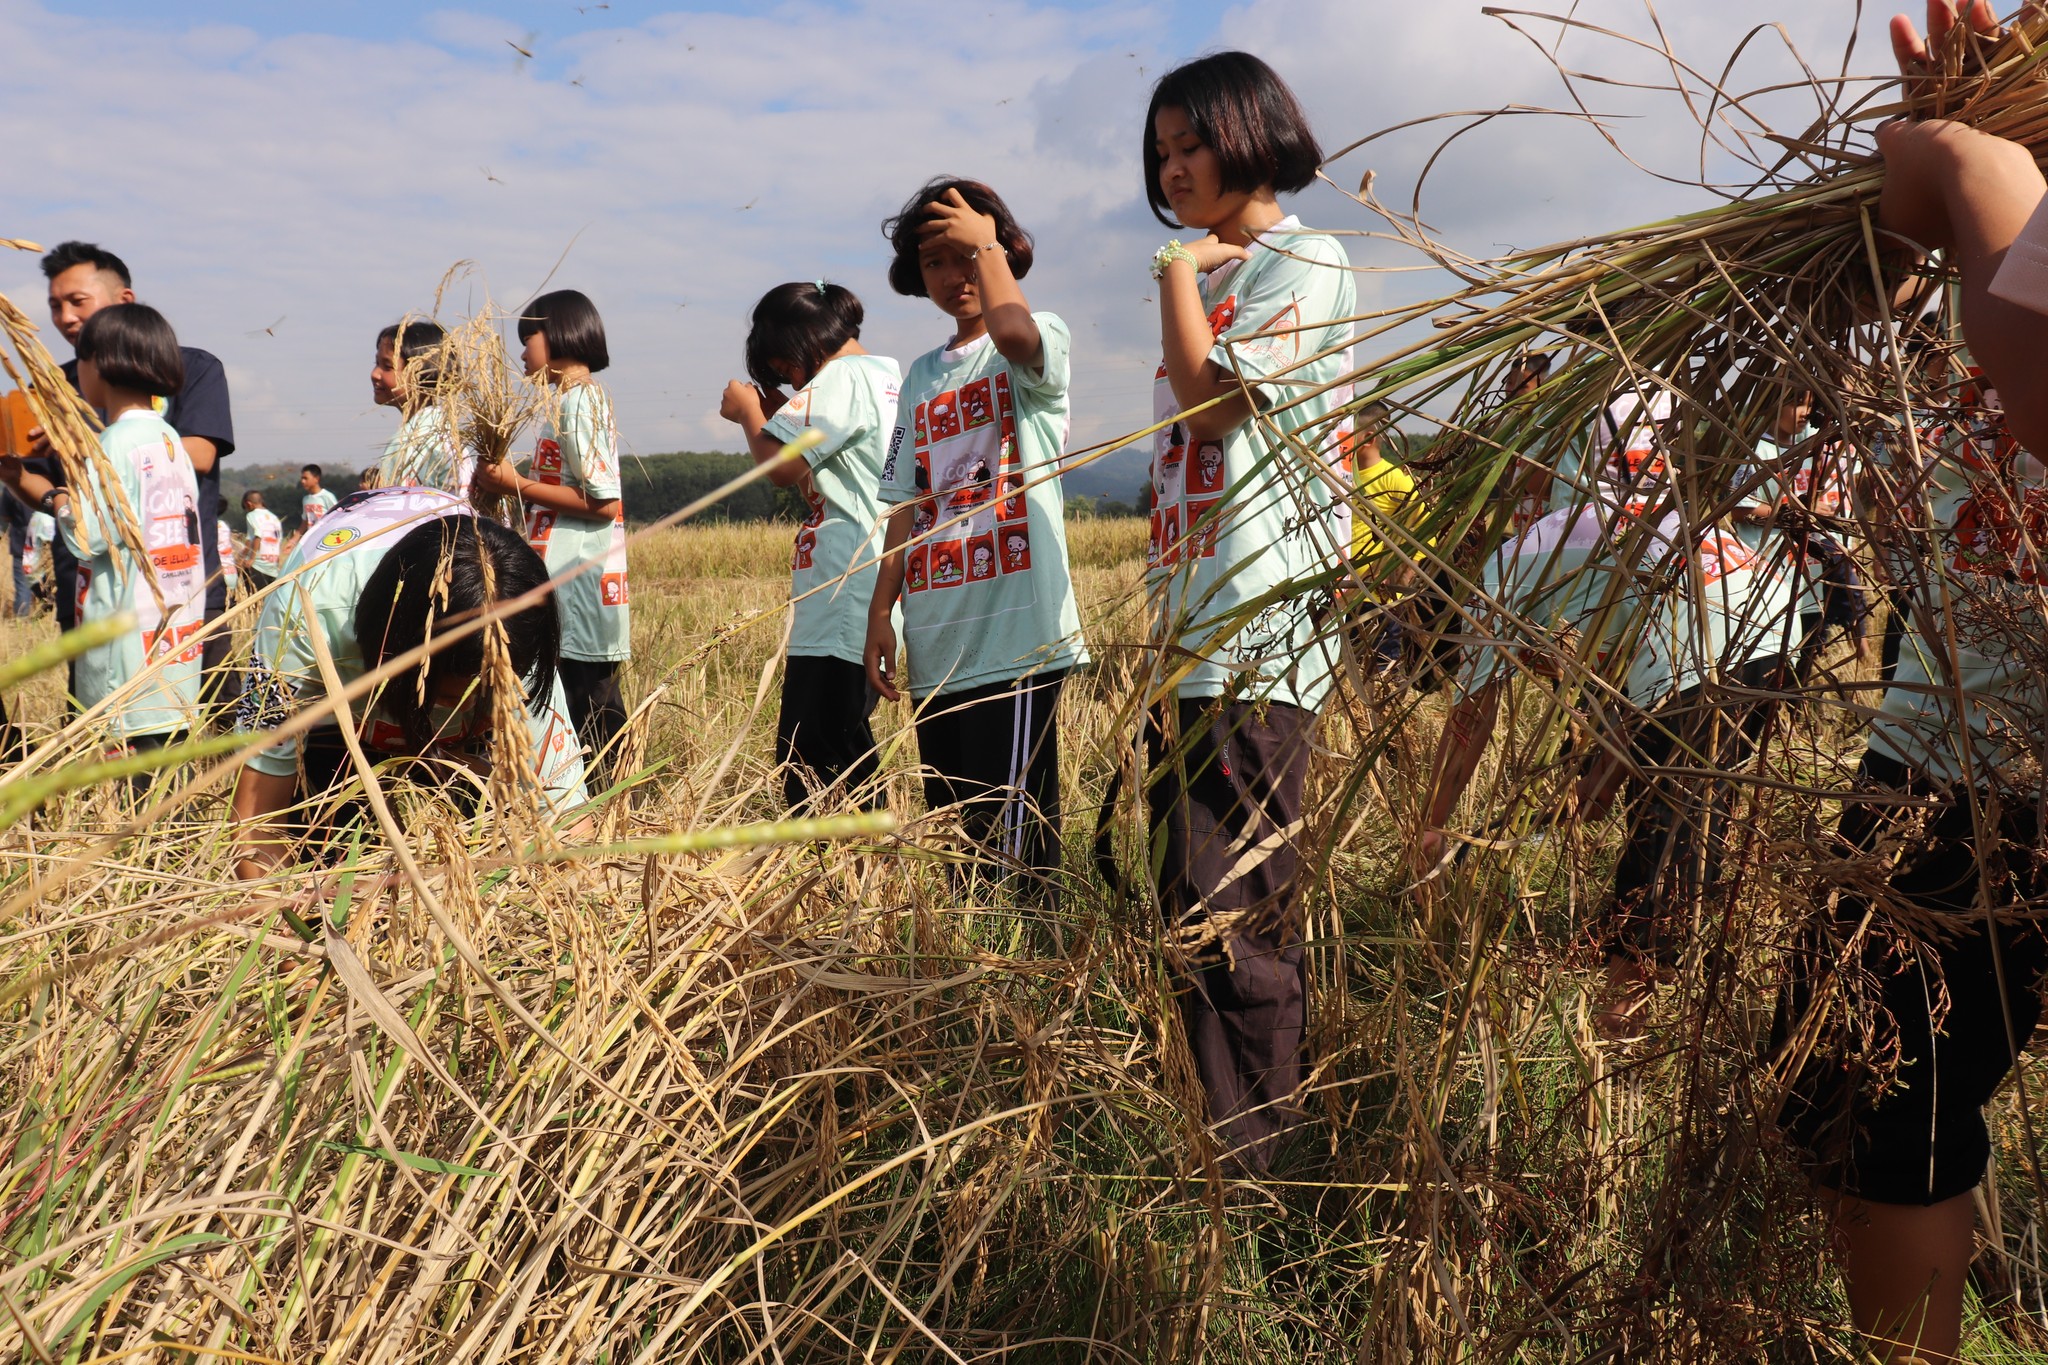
(1010,488)
(1721,555)
(547,460)
(977,404)
(1166,534)
(968,480)
(981,557)
(1221,319)
(540,524)
(915,575)
(1201,528)
(1205,475)
(1990,541)
(1015,541)
(611,589)
(1006,412)
(943,413)
(946,564)
(806,546)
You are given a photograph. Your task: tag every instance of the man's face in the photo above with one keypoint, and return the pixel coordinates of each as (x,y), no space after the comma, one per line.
(308,482)
(76,294)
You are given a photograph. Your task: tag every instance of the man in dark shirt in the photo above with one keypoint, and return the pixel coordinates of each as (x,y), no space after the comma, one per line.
(84,279)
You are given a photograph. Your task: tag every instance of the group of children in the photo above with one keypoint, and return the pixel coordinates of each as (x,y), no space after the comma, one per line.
(933,564)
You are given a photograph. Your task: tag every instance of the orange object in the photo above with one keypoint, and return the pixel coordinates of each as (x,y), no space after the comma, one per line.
(16,420)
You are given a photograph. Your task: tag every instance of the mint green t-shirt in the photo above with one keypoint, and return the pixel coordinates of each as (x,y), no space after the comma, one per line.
(579,449)
(315,505)
(426,453)
(852,402)
(987,596)
(155,476)
(1239,524)
(1980,576)
(326,572)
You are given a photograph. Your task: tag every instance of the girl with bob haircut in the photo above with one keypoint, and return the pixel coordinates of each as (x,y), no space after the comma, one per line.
(385,572)
(407,375)
(976,547)
(1249,522)
(575,514)
(806,335)
(150,677)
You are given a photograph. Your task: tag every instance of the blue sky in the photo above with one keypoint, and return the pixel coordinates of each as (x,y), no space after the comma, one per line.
(325,165)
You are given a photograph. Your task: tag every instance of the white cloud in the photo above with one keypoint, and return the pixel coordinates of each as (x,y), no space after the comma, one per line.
(705,157)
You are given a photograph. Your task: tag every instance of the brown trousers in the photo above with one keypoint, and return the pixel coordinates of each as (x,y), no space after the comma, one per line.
(1225,795)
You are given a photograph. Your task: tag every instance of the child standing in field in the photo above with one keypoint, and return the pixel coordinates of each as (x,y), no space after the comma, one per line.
(425,451)
(315,501)
(977,547)
(264,545)
(128,357)
(575,514)
(1245,523)
(807,335)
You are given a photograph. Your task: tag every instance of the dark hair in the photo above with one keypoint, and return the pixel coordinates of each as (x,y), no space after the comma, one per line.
(1241,108)
(252,494)
(133,347)
(905,275)
(312,469)
(222,510)
(569,321)
(65,255)
(411,339)
(800,324)
(400,607)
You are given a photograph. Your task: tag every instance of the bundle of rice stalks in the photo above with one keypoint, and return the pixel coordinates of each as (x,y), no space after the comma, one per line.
(70,427)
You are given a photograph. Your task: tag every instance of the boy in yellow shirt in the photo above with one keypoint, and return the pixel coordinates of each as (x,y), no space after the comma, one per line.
(1385,497)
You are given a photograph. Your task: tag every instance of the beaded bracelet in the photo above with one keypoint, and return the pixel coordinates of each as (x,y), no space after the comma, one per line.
(1167,255)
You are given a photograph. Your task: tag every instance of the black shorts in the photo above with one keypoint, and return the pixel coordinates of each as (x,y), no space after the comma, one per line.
(1914,1134)
(993,753)
(822,736)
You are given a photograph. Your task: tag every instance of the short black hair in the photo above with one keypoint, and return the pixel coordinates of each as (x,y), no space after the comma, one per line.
(801,323)
(411,339)
(254,495)
(133,347)
(65,255)
(569,321)
(312,469)
(435,576)
(222,510)
(1241,108)
(905,275)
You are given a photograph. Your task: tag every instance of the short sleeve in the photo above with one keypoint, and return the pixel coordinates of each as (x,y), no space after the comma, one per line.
(2022,276)
(830,405)
(899,460)
(1293,295)
(1056,366)
(590,441)
(87,530)
(201,409)
(278,666)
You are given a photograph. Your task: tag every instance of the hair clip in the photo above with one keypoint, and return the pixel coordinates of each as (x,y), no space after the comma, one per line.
(819,285)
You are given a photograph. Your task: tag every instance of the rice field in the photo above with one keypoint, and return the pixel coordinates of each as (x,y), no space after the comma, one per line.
(819,1101)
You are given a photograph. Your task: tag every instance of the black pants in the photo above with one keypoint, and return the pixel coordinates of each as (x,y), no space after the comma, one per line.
(1948,1003)
(1894,631)
(139,783)
(994,753)
(598,709)
(1677,826)
(1225,796)
(256,580)
(822,736)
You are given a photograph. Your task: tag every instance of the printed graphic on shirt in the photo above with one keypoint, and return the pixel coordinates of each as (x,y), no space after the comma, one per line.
(966,453)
